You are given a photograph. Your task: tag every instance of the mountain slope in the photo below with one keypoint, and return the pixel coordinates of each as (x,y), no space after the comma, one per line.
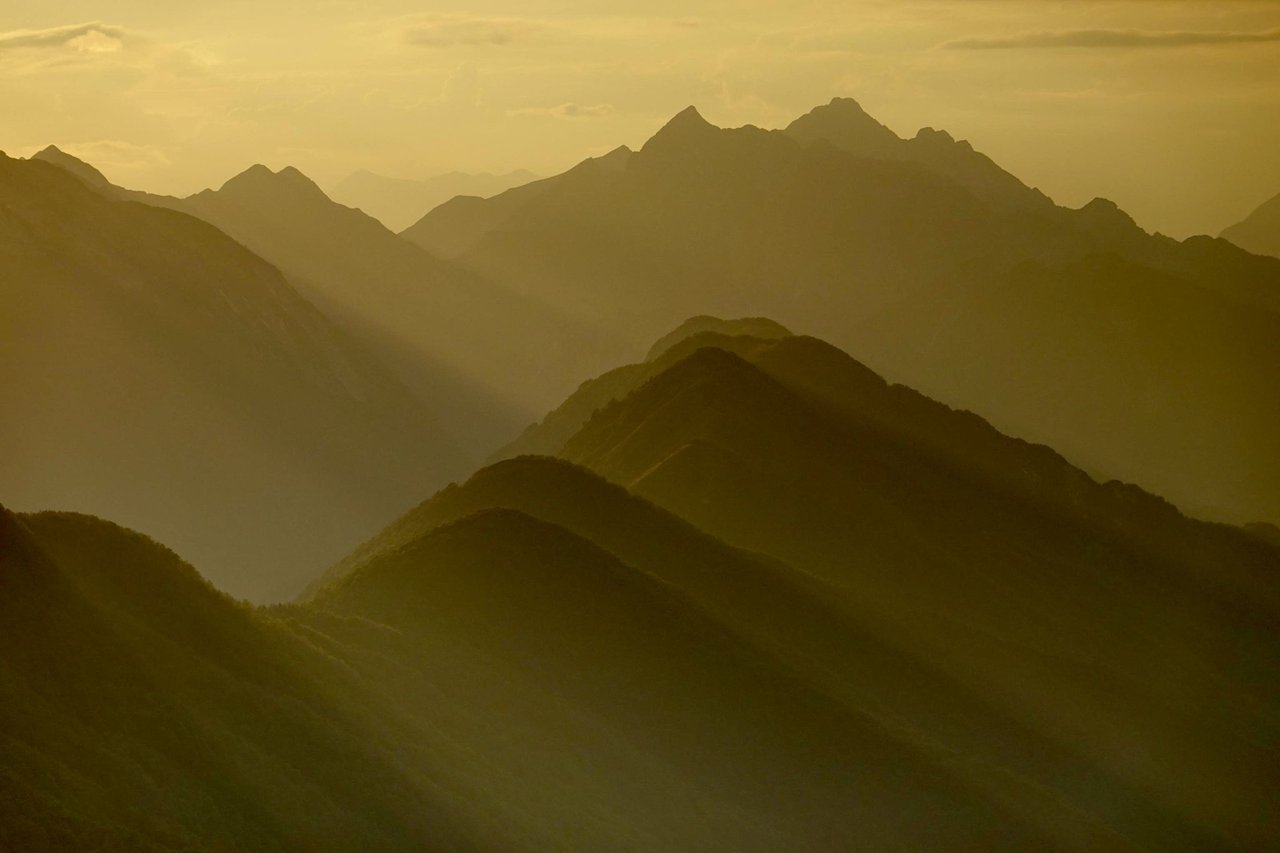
(143,710)
(1094,613)
(1259,232)
(155,370)
(454,339)
(900,251)
(398,203)
(547,436)
(644,722)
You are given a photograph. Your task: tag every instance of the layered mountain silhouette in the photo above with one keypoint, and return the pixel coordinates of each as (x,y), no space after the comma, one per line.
(398,202)
(1259,232)
(995,561)
(1070,327)
(155,370)
(455,339)
(763,599)
(144,710)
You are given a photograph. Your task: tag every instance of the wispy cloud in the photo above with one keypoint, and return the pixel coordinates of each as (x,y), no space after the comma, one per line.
(1111,38)
(451,31)
(91,37)
(569,110)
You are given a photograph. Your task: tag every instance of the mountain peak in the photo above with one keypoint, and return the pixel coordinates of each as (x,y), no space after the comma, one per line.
(843,123)
(686,124)
(258,178)
(1105,214)
(55,156)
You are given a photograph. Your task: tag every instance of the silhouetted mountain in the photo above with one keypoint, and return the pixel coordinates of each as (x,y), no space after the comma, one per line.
(548,436)
(1095,610)
(1259,232)
(901,251)
(454,339)
(143,710)
(634,718)
(457,225)
(398,203)
(154,369)
(844,124)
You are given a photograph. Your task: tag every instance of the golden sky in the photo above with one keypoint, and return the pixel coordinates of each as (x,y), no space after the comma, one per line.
(1169,107)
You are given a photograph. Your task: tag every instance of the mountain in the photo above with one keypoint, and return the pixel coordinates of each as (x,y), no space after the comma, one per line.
(143,710)
(398,203)
(1259,232)
(548,435)
(1095,613)
(154,369)
(903,251)
(763,598)
(453,338)
(455,226)
(640,719)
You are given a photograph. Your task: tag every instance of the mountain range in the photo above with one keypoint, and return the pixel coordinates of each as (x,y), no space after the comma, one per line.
(399,202)
(1140,357)
(761,598)
(156,371)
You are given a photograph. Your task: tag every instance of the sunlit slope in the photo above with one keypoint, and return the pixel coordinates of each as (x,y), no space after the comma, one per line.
(1096,615)
(143,710)
(155,371)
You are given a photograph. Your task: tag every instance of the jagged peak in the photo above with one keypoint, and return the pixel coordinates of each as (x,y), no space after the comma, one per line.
(687,123)
(844,123)
(55,156)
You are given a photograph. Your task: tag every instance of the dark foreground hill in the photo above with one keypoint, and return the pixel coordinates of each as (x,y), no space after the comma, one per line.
(1095,611)
(154,370)
(764,601)
(1140,357)
(140,709)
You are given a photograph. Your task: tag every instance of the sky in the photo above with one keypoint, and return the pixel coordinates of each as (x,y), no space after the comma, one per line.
(1171,108)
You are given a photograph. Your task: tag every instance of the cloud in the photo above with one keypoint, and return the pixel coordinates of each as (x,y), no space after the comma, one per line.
(567,111)
(1099,38)
(449,31)
(92,37)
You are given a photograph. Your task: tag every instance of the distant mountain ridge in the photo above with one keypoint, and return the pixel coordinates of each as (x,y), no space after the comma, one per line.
(399,202)
(1259,232)
(156,370)
(454,338)
(903,251)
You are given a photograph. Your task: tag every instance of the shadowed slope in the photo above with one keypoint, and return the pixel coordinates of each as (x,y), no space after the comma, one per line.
(643,721)
(547,437)
(143,710)
(1097,614)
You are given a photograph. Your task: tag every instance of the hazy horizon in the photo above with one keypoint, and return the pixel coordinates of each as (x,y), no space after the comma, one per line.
(1170,109)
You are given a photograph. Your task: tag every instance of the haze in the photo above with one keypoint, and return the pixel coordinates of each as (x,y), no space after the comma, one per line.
(1171,109)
